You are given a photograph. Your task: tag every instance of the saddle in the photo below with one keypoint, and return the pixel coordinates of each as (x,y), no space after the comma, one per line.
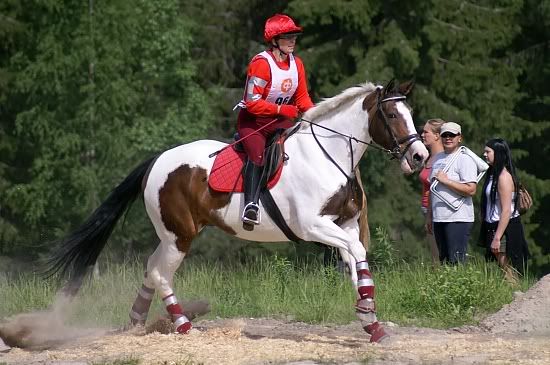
(226,174)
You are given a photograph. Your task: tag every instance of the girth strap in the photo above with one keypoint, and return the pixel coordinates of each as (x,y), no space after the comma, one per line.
(275,213)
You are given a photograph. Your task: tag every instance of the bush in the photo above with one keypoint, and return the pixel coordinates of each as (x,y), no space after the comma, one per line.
(382,252)
(454,293)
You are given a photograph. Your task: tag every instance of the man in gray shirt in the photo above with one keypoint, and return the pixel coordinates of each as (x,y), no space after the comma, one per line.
(452,211)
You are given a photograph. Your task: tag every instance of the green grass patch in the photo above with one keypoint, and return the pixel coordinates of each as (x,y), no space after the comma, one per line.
(276,287)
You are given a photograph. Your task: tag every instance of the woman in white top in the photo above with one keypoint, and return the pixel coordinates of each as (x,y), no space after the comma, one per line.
(502,231)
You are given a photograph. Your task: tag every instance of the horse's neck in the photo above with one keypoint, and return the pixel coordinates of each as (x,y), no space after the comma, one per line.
(352,121)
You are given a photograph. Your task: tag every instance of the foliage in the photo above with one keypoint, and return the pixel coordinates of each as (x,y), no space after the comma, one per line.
(89,106)
(88,90)
(382,253)
(460,54)
(453,292)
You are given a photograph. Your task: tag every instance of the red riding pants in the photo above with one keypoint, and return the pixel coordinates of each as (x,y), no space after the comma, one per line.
(254,145)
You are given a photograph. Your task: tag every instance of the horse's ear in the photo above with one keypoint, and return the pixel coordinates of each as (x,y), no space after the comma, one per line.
(389,87)
(406,87)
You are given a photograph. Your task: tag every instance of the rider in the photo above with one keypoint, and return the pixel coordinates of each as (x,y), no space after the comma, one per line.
(275,92)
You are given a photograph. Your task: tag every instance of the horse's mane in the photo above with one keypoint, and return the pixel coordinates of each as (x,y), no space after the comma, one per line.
(328,105)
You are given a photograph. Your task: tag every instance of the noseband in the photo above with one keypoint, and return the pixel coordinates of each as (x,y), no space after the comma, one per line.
(396,151)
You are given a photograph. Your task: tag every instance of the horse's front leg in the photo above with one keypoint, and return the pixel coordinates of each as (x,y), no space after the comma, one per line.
(346,238)
(161,267)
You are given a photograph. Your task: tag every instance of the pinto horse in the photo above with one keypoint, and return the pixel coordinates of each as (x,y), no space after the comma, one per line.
(315,197)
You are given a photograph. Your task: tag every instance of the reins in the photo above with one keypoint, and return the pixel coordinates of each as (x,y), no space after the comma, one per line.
(395,152)
(351,138)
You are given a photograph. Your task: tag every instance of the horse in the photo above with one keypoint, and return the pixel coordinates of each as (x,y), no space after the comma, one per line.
(316,194)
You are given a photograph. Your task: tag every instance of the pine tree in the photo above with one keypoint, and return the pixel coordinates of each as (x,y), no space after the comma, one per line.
(99,87)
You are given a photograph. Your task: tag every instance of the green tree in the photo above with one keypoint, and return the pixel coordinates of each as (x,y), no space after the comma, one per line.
(531,52)
(10,30)
(460,54)
(99,86)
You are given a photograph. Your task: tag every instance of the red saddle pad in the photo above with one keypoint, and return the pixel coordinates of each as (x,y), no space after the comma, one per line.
(226,175)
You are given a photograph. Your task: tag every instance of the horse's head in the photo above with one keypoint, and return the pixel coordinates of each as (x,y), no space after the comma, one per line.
(391,125)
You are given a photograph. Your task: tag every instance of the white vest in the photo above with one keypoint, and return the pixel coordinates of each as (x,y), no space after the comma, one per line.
(283,82)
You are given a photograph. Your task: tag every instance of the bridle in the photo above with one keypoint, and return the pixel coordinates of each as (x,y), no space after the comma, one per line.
(396,152)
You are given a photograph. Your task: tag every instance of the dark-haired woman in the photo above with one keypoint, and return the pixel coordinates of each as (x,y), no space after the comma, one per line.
(502,231)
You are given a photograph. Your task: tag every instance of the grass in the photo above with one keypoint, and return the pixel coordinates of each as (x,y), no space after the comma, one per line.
(275,287)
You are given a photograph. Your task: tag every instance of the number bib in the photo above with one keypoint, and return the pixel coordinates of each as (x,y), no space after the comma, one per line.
(283,82)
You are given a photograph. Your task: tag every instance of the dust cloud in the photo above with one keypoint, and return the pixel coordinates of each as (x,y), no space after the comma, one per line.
(46,329)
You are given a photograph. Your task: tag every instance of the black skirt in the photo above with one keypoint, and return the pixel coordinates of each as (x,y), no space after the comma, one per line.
(516,245)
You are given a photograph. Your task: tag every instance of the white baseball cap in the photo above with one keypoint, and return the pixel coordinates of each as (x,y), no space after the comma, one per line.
(451,127)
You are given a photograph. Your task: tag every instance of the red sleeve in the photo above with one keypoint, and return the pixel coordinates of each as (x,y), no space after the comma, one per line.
(301,96)
(259,69)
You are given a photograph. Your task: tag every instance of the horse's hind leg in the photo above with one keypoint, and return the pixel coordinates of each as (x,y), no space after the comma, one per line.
(161,267)
(140,308)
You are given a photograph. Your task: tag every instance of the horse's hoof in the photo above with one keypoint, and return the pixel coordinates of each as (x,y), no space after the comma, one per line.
(248,226)
(184,328)
(376,332)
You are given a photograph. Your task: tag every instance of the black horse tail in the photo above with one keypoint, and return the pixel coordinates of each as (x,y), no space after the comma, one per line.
(79,251)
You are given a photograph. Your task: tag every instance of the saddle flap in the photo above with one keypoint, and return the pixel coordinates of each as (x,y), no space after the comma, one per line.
(226,174)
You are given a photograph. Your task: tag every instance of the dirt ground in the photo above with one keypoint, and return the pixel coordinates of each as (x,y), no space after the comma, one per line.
(517,334)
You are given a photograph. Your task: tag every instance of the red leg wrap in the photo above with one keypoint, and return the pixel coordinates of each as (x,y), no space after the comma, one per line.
(376,332)
(184,328)
(174,309)
(365,284)
(182,323)
(366,292)
(140,308)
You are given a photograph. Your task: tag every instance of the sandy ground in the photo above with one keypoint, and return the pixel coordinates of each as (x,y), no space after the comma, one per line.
(518,334)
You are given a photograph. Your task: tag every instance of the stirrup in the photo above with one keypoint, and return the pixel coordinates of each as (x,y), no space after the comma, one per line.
(256,208)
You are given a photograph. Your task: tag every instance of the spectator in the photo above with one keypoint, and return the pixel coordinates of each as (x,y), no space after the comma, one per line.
(432,140)
(501,231)
(457,176)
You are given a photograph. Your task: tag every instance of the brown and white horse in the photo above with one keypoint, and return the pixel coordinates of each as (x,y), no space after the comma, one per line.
(313,195)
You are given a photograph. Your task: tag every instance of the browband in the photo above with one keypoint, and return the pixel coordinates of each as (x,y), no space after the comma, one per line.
(401,97)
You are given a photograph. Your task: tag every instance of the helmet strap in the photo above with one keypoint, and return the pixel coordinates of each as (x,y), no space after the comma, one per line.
(276,46)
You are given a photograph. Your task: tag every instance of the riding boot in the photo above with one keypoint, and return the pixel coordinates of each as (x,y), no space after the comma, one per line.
(252,179)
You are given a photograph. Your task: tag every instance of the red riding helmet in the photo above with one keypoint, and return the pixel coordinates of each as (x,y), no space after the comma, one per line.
(279,24)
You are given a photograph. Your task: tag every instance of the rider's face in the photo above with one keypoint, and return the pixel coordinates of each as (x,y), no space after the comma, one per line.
(287,44)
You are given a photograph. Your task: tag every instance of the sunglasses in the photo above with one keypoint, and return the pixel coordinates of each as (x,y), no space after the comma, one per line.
(289,35)
(449,135)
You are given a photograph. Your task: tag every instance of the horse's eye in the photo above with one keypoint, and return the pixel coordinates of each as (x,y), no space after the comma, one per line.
(393,116)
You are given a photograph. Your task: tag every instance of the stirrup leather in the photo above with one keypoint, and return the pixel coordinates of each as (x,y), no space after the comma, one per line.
(251,206)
